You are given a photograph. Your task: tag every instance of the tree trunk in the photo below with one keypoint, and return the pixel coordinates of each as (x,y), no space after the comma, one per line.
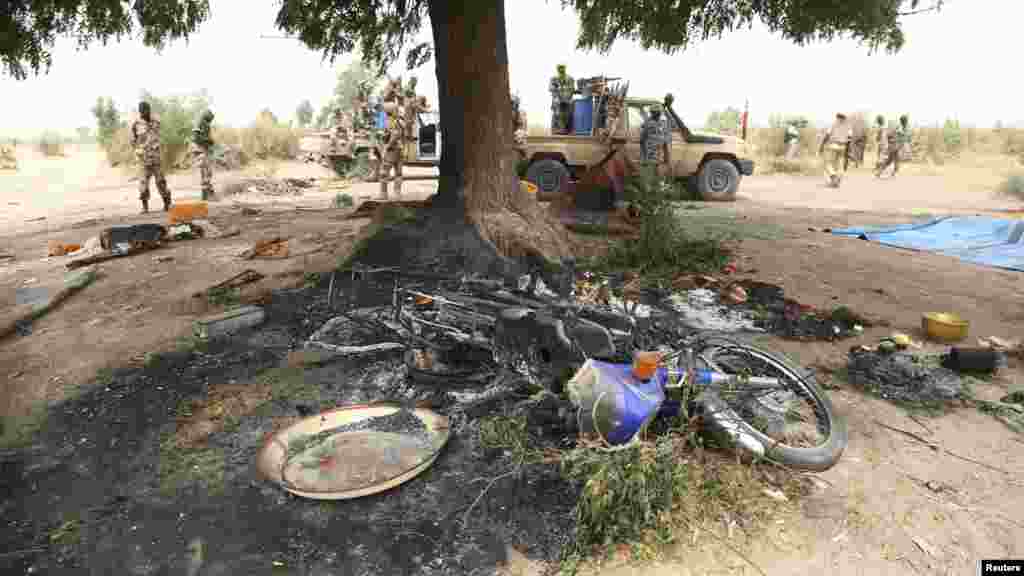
(477,171)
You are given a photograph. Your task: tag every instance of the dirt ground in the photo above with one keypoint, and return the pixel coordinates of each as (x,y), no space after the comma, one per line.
(891,505)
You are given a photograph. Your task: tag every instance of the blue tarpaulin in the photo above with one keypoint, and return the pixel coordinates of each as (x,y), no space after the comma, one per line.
(976,239)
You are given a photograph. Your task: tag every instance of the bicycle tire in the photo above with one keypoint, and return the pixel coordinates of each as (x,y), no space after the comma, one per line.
(817,458)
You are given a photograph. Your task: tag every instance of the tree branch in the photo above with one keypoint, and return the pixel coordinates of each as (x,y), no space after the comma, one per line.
(935,8)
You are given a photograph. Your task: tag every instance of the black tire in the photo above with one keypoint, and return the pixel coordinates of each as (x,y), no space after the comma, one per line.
(817,458)
(718,180)
(550,176)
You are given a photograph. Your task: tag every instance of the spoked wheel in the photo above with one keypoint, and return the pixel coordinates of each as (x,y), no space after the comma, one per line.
(794,422)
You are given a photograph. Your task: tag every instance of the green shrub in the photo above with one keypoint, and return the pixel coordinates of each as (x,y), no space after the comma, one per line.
(342,201)
(1013,186)
(51,144)
(108,121)
(951,136)
(663,247)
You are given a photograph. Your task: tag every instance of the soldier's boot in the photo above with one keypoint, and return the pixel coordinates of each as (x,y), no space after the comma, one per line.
(145,205)
(398,187)
(167,203)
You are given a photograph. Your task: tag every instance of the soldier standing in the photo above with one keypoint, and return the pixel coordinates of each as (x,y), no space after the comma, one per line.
(562,88)
(897,139)
(835,146)
(654,142)
(146,142)
(203,141)
(391,149)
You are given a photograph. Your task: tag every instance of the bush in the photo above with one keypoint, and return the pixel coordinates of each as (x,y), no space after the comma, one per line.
(1013,186)
(108,121)
(51,144)
(951,136)
(663,248)
(267,138)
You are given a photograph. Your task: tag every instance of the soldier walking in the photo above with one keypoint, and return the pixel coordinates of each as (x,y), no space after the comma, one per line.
(146,142)
(896,140)
(882,141)
(835,147)
(203,140)
(562,88)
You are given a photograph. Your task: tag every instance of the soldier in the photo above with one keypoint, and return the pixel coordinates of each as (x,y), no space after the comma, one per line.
(392,151)
(835,146)
(562,88)
(897,140)
(203,141)
(340,134)
(882,141)
(518,122)
(792,139)
(146,142)
(654,141)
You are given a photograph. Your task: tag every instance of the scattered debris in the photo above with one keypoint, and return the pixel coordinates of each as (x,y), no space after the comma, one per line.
(57,248)
(267,186)
(944,326)
(248,211)
(167,258)
(229,322)
(353,451)
(236,281)
(270,248)
(904,377)
(1010,347)
(39,219)
(184,212)
(138,236)
(72,283)
(982,360)
(186,231)
(698,310)
(5,257)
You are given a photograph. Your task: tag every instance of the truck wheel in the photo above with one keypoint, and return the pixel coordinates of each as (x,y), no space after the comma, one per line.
(718,180)
(551,178)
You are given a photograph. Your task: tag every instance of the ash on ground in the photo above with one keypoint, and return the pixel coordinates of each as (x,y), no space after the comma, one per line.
(905,378)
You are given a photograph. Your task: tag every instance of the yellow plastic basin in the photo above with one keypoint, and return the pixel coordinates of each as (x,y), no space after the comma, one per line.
(944,326)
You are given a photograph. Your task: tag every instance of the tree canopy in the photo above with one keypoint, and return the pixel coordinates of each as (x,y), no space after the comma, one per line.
(380,30)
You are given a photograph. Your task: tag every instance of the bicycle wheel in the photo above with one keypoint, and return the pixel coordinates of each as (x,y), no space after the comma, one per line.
(794,423)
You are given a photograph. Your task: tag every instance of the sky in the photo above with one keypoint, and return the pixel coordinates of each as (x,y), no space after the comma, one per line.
(956,63)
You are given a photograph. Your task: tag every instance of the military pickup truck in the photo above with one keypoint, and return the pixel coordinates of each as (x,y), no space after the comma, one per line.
(424,151)
(713,164)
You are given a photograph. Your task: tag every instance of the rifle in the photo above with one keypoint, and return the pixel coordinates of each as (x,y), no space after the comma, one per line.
(846,156)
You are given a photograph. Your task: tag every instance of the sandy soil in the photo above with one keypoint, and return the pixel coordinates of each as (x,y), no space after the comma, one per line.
(892,505)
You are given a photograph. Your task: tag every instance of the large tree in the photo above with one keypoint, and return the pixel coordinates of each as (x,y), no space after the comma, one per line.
(478,177)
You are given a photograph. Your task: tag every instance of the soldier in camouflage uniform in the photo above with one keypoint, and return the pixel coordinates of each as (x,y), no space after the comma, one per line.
(654,141)
(562,88)
(146,142)
(897,139)
(203,141)
(391,147)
